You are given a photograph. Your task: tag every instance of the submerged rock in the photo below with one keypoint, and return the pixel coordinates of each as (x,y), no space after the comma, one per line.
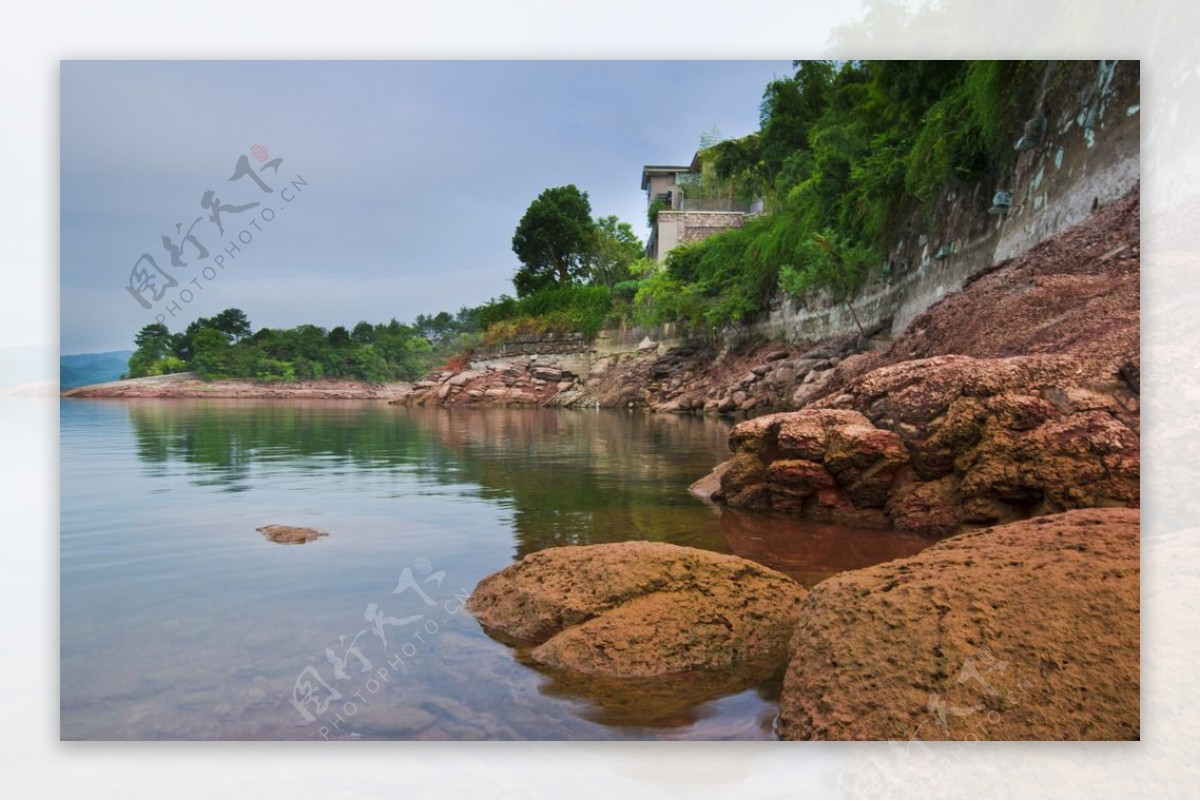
(640,609)
(1028,631)
(666,702)
(290,535)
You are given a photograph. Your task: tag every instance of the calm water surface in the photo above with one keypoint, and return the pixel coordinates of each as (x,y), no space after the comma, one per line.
(180,621)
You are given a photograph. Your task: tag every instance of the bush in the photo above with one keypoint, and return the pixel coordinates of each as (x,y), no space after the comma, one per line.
(626,290)
(830,263)
(662,299)
(166,366)
(570,308)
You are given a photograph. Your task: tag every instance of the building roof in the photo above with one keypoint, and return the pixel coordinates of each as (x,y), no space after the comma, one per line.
(661,169)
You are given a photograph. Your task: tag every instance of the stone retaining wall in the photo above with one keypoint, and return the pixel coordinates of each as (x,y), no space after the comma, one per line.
(1087,158)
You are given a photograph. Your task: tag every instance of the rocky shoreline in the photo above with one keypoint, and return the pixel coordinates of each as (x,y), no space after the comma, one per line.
(1074,294)
(189,385)
(1015,398)
(1027,631)
(697,377)
(1005,419)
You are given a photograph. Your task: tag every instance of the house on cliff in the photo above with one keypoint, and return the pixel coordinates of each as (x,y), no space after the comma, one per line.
(682,207)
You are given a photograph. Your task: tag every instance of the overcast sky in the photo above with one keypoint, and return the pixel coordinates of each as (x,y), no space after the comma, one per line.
(416,174)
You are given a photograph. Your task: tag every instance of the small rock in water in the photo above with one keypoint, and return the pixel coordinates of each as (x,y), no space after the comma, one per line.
(290,535)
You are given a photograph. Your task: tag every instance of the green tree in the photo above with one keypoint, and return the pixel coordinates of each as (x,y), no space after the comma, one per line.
(789,109)
(153,344)
(828,262)
(363,333)
(369,365)
(339,337)
(212,351)
(553,240)
(183,343)
(233,323)
(154,340)
(434,327)
(616,247)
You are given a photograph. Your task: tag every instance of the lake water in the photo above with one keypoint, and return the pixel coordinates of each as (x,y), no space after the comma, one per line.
(180,621)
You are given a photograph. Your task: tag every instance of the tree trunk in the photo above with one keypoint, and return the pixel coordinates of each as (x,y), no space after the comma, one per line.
(850,306)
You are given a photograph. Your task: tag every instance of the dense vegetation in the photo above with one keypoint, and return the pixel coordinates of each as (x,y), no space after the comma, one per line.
(226,347)
(844,155)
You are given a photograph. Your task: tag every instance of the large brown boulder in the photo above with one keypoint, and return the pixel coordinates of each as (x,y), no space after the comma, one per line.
(638,609)
(1028,631)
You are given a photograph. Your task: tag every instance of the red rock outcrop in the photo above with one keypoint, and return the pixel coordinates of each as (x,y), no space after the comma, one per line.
(1015,397)
(1028,631)
(522,382)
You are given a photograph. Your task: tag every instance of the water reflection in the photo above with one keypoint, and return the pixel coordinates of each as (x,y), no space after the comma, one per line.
(812,552)
(159,554)
(572,478)
(677,701)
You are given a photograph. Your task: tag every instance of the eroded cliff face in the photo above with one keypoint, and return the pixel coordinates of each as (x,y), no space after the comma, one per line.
(1016,397)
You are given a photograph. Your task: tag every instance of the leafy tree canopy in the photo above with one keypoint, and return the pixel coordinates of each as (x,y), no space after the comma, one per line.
(225,347)
(615,248)
(553,240)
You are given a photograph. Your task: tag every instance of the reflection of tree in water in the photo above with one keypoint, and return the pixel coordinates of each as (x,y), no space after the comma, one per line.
(223,440)
(578,478)
(570,477)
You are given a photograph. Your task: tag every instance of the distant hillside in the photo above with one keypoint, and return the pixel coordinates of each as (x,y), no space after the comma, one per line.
(81,369)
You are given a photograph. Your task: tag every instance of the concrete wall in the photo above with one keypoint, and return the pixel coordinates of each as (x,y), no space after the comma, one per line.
(1088,157)
(660,185)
